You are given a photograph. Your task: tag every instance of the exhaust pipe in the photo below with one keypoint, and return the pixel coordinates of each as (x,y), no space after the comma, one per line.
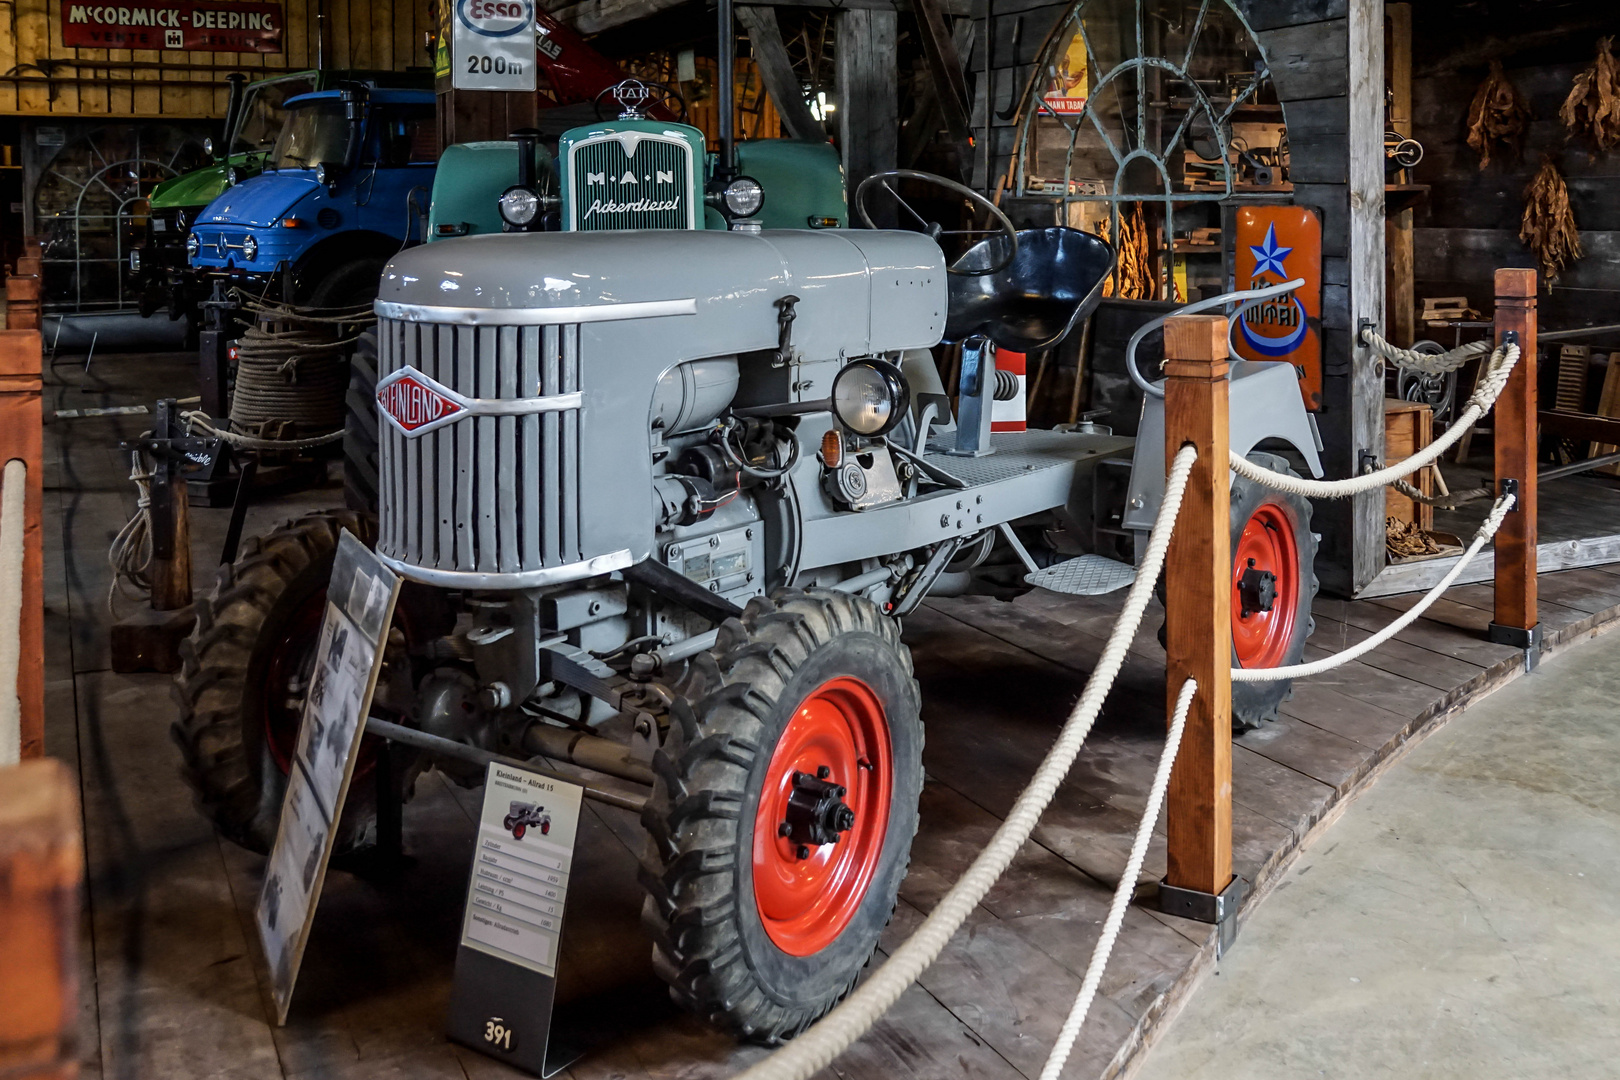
(586,751)
(727,167)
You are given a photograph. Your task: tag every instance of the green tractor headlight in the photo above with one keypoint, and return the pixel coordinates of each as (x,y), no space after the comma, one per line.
(519,207)
(744,197)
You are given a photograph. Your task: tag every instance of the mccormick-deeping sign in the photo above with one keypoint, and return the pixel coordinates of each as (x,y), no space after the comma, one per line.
(1277,244)
(172,24)
(493,45)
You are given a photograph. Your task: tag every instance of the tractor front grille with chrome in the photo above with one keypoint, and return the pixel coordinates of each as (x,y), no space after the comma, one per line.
(626,181)
(484,478)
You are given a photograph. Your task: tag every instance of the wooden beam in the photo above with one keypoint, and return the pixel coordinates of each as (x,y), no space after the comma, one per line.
(781,83)
(1364,52)
(950,83)
(595,16)
(1514,428)
(1198,606)
(868,94)
(924,122)
(1402,299)
(41,870)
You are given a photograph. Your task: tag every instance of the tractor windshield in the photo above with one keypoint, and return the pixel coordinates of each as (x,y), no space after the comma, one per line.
(262,113)
(314,133)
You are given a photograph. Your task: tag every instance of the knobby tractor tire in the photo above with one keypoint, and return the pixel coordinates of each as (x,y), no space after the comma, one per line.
(789,679)
(231,719)
(360,428)
(1287,537)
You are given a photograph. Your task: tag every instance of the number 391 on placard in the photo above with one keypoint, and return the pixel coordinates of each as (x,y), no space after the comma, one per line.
(497,1034)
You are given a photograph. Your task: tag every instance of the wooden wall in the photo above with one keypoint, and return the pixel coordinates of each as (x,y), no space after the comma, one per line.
(1308,45)
(1470,223)
(376,34)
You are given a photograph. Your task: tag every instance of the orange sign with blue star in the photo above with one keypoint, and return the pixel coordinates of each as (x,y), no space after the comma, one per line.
(1275,244)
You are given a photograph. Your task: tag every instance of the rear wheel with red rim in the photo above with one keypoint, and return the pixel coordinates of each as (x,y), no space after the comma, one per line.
(781,823)
(1273,584)
(246,669)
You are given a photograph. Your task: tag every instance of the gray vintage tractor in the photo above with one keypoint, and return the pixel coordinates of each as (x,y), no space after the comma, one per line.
(661,500)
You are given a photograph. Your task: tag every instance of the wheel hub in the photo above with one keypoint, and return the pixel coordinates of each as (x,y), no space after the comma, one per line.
(816,812)
(1258,589)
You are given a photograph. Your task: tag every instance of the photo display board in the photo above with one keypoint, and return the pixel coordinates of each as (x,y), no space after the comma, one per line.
(348,657)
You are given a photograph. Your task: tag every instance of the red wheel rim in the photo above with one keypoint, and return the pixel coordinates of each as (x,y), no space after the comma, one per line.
(1261,638)
(805,904)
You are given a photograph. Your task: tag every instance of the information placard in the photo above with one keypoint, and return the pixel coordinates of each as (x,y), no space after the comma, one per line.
(494,45)
(511,931)
(348,656)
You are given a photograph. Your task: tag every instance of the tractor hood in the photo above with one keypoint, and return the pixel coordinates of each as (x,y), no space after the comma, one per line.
(198,187)
(260,201)
(858,292)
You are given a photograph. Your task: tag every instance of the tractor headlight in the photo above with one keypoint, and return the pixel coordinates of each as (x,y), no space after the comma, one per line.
(250,248)
(870,397)
(193,245)
(322,174)
(208,147)
(231,178)
(519,207)
(744,196)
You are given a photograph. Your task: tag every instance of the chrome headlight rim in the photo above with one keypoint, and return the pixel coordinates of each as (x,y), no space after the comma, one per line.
(250,248)
(519,207)
(870,397)
(193,245)
(322,174)
(743,196)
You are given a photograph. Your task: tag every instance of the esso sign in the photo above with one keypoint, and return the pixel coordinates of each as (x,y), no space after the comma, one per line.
(493,45)
(496,18)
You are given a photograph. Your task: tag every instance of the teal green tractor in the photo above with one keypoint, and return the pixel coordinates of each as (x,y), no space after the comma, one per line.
(636,172)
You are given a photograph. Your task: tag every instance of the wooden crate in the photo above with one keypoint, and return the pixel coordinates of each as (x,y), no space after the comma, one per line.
(1407,429)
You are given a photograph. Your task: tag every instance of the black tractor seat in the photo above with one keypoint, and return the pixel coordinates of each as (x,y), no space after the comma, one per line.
(1033,302)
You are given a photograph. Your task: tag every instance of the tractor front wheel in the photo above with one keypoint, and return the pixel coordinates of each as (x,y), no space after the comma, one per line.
(246,670)
(781,822)
(1273,584)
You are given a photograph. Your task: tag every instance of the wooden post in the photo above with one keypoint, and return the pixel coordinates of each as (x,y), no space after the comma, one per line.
(1198,625)
(868,99)
(1402,300)
(22,436)
(1514,426)
(22,302)
(41,868)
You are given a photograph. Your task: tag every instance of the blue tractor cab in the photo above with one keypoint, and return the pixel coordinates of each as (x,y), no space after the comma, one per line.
(340,194)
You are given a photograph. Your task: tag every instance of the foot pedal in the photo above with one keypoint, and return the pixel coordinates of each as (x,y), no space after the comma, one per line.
(1089,575)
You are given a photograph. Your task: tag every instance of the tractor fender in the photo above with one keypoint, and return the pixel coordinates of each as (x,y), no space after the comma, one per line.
(1265,404)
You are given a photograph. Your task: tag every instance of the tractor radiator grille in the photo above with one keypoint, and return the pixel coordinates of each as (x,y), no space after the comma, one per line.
(483,494)
(651,189)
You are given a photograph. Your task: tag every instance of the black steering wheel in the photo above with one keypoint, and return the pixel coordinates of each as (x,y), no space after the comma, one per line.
(932,228)
(638,96)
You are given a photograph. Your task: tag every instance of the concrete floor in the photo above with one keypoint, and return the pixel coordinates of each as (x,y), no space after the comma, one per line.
(1461,920)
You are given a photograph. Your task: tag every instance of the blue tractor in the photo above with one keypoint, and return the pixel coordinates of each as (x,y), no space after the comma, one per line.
(337,199)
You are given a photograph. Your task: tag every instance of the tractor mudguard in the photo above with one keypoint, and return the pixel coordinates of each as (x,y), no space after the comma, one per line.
(803,182)
(468,185)
(1265,404)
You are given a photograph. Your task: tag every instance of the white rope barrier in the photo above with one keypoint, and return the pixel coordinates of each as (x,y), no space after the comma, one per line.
(1427,363)
(1490,388)
(832,1035)
(1328,663)
(13,524)
(1122,894)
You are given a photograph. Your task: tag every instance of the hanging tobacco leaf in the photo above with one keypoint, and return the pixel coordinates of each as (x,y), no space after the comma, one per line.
(1593,105)
(1497,117)
(1548,228)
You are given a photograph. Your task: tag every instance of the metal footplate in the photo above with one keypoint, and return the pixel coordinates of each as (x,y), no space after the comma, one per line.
(1088,575)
